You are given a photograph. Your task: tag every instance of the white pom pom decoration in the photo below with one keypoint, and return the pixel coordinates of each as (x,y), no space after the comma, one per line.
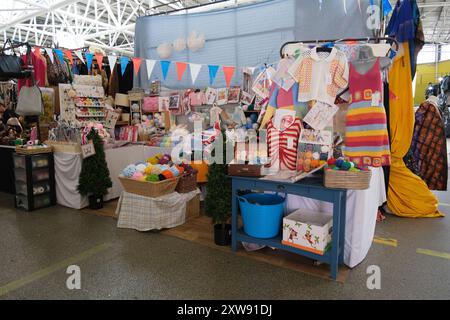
(196,41)
(164,50)
(179,44)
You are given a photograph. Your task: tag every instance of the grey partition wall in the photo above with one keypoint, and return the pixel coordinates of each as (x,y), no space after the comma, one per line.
(245,36)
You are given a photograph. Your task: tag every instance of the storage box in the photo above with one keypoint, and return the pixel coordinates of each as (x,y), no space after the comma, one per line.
(245,170)
(308,230)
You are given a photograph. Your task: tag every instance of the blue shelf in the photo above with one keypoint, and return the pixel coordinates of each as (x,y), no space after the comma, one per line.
(276,243)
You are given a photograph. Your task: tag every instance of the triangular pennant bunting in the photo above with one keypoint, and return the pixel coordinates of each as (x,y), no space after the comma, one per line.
(212,73)
(195,70)
(150,65)
(112,62)
(387,7)
(99,58)
(80,56)
(181,68)
(165,68)
(123,64)
(50,54)
(69,56)
(59,54)
(136,65)
(228,72)
(89,57)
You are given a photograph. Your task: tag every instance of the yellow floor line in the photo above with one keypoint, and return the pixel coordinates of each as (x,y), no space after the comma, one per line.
(385,241)
(14,285)
(444,255)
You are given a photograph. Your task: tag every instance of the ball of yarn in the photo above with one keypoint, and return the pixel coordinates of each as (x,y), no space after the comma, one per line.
(141,168)
(316,156)
(148,169)
(175,171)
(353,170)
(322,162)
(168,174)
(129,170)
(339,162)
(152,178)
(137,176)
(352,165)
(164,159)
(308,155)
(346,165)
(161,177)
(324,149)
(314,163)
(331,161)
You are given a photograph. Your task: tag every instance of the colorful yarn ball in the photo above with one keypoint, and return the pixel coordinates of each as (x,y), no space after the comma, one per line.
(314,163)
(137,176)
(175,171)
(308,155)
(141,168)
(148,169)
(339,162)
(152,178)
(353,170)
(324,149)
(129,170)
(331,161)
(316,156)
(165,159)
(322,162)
(346,165)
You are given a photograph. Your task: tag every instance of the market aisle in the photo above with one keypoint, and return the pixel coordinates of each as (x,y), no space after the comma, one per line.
(150,265)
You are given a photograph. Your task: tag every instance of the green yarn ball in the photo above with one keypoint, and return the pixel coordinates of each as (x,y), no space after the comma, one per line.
(152,178)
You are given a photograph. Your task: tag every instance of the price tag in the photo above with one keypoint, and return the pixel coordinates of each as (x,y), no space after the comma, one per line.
(87,150)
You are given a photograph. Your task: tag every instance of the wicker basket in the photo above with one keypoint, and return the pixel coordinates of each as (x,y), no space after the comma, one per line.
(149,189)
(358,180)
(21,150)
(63,146)
(187,183)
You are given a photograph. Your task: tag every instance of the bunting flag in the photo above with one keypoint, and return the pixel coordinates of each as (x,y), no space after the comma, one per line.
(80,56)
(123,64)
(69,56)
(195,70)
(89,57)
(228,72)
(387,7)
(165,68)
(112,62)
(99,58)
(59,54)
(181,68)
(212,73)
(136,65)
(50,54)
(150,65)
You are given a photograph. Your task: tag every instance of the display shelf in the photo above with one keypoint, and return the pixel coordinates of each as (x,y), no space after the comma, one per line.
(90,116)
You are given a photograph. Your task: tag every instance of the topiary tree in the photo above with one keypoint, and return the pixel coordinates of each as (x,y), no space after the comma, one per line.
(94,177)
(218,190)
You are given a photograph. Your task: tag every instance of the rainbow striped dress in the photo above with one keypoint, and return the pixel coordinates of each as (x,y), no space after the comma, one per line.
(366,136)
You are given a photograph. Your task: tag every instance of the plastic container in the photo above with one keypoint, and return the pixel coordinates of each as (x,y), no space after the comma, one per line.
(262,214)
(38,188)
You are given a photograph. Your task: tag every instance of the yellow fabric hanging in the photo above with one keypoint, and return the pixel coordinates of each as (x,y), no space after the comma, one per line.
(408,194)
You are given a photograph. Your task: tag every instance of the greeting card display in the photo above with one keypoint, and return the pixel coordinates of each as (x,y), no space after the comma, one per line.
(222,96)
(164,103)
(211,95)
(234,94)
(247,98)
(174,101)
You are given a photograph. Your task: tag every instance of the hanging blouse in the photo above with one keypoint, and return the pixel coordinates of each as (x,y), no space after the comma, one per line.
(321,75)
(283,145)
(366,136)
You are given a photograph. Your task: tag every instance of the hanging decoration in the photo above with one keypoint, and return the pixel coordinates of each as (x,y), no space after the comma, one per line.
(123,64)
(50,54)
(79,54)
(212,73)
(99,58)
(165,68)
(59,54)
(112,62)
(228,72)
(89,57)
(136,65)
(387,7)
(181,68)
(195,70)
(69,56)
(150,66)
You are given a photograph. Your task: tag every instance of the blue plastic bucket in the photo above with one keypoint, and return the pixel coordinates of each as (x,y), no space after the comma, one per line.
(262,214)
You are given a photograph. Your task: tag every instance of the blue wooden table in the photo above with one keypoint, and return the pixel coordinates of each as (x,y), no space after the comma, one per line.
(310,188)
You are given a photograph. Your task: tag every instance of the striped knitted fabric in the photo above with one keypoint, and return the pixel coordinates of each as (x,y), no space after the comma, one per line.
(283,145)
(366,136)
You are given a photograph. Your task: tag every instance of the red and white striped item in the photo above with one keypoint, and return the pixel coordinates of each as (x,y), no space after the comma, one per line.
(283,145)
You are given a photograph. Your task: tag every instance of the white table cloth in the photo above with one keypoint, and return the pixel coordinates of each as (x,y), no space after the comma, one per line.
(361,215)
(68,168)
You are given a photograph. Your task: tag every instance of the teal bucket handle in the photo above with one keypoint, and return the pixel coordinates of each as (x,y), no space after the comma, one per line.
(242,199)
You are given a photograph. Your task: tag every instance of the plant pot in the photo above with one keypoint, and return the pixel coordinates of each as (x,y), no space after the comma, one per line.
(95,202)
(222,234)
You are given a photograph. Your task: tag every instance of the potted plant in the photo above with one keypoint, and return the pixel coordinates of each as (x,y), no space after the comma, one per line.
(94,178)
(218,201)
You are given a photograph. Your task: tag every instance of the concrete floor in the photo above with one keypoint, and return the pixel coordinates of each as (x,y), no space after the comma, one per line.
(124,264)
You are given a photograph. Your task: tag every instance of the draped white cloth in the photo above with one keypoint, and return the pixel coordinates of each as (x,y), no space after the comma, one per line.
(361,216)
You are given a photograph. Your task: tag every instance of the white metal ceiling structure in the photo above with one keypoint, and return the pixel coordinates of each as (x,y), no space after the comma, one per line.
(109,24)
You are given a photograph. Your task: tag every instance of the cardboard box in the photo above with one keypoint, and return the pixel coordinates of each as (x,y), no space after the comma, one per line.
(308,230)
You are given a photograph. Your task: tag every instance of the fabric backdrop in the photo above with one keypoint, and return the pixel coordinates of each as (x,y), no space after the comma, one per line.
(245,36)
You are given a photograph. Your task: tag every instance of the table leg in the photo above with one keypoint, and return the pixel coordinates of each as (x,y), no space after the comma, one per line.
(234,203)
(342,230)
(336,235)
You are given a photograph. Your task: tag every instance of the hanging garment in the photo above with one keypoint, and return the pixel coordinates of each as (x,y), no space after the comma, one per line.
(125,81)
(321,75)
(366,136)
(39,68)
(429,147)
(283,145)
(282,99)
(408,194)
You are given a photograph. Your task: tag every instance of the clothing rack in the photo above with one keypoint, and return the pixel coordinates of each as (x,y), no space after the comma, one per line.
(367,39)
